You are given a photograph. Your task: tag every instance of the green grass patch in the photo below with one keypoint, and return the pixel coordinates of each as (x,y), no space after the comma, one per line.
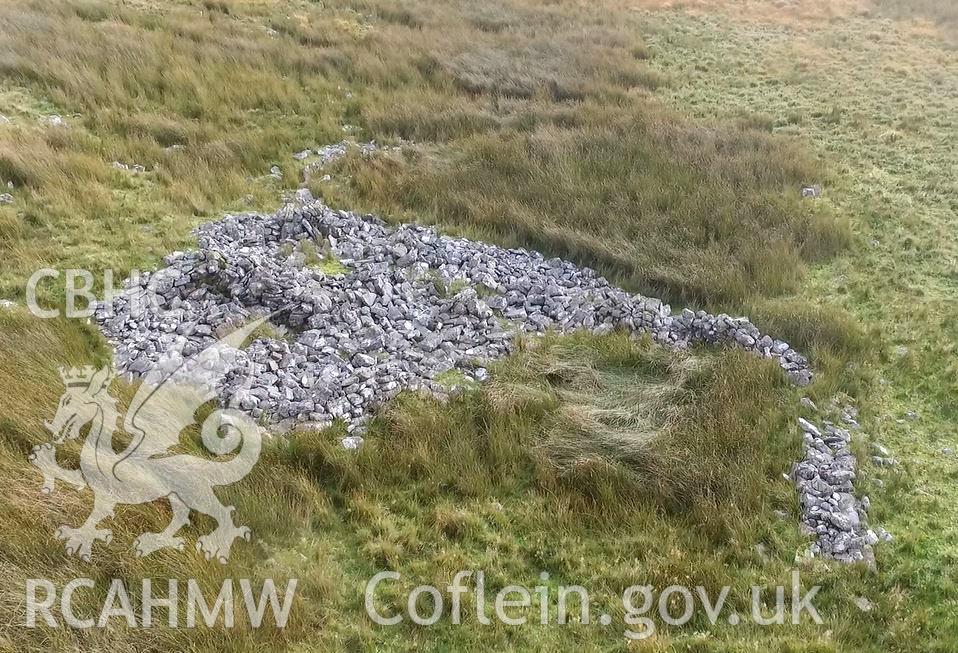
(665,150)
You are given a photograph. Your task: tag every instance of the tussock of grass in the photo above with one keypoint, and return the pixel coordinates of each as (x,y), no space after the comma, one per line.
(324,260)
(816,328)
(635,425)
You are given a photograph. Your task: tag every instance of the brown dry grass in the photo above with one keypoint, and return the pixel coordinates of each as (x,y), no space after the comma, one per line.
(928,17)
(774,12)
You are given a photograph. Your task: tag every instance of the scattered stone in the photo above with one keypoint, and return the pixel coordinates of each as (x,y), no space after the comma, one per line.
(947,451)
(4,120)
(911,415)
(300,156)
(402,312)
(809,428)
(55,121)
(276,172)
(814,190)
(808,403)
(329,153)
(850,416)
(7,304)
(6,198)
(900,351)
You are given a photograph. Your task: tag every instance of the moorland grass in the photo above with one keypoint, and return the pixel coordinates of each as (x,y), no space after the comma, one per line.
(707,214)
(542,134)
(602,461)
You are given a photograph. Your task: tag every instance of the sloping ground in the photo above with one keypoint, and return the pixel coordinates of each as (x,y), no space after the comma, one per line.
(879,100)
(518,141)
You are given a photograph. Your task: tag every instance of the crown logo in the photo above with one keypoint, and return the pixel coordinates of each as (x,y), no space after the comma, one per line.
(77,376)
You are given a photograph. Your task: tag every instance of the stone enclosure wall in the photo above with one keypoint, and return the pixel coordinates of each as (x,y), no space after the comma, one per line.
(366,310)
(360,311)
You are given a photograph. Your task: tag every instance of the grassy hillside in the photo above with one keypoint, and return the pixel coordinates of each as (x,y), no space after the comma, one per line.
(664,145)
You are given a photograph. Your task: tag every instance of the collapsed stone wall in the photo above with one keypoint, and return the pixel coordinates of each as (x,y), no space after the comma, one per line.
(830,510)
(409,306)
(365,310)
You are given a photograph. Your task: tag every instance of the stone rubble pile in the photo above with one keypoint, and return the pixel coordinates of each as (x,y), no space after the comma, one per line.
(830,510)
(412,305)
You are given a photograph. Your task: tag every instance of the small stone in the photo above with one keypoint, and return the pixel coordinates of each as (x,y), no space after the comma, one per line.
(352,442)
(809,428)
(6,198)
(808,403)
(863,604)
